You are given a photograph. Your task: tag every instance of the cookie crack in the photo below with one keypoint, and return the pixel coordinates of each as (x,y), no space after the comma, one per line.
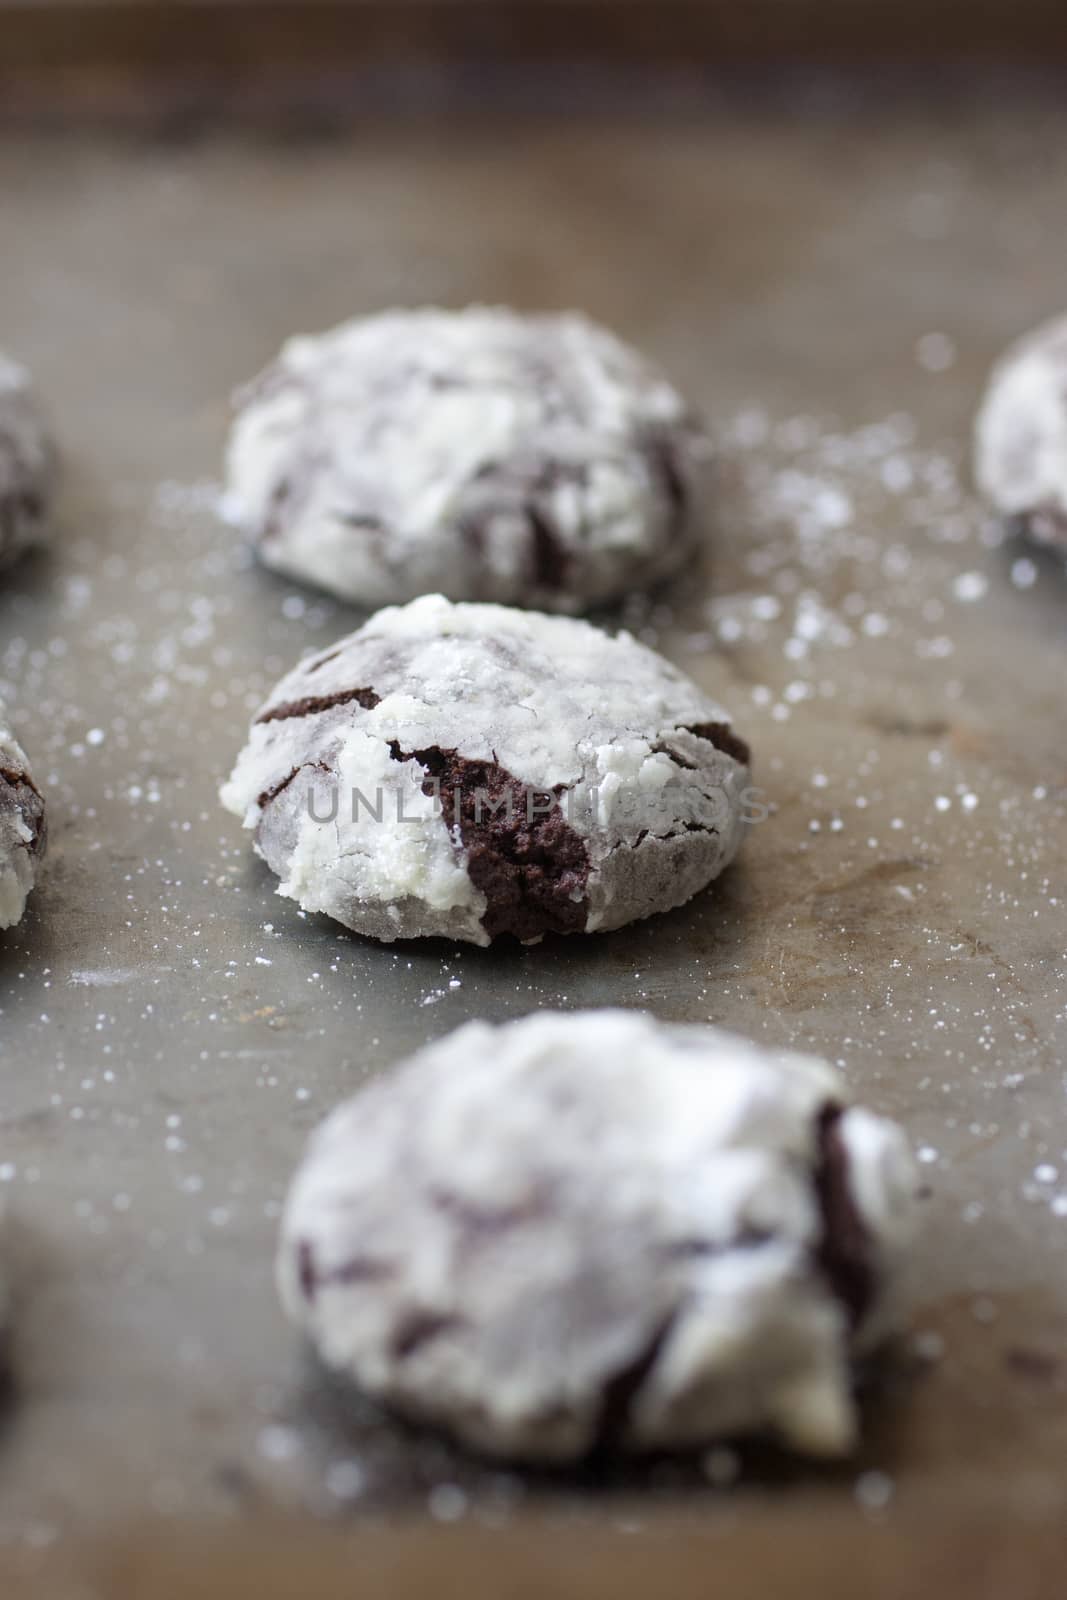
(531,865)
(418,1329)
(844,1252)
(263,800)
(677,832)
(357,1269)
(723,737)
(622,1390)
(550,560)
(694,1247)
(312,704)
(676,756)
(28,802)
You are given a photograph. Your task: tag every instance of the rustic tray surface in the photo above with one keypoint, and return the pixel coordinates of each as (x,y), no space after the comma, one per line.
(830,278)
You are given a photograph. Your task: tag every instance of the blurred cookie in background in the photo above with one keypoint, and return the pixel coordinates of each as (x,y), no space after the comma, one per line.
(481,454)
(1021,436)
(22,826)
(27,465)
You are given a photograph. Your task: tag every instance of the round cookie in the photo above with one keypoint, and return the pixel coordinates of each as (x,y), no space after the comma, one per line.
(1021,435)
(592,1231)
(529,460)
(22,826)
(26,465)
(470,771)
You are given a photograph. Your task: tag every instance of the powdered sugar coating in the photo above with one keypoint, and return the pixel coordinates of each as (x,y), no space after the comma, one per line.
(1021,434)
(633,777)
(27,465)
(22,833)
(593,1230)
(531,460)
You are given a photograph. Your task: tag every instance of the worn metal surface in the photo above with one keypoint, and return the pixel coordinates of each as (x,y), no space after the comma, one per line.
(169,1030)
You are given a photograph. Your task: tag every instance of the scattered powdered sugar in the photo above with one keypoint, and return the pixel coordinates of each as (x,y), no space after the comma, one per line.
(893,660)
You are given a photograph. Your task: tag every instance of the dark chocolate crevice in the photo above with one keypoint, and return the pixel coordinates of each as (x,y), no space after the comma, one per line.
(550,561)
(844,1251)
(1044,525)
(677,832)
(20,794)
(621,1391)
(283,783)
(311,704)
(675,755)
(275,510)
(694,1247)
(305,1270)
(418,1329)
(533,869)
(359,1269)
(723,737)
(363,520)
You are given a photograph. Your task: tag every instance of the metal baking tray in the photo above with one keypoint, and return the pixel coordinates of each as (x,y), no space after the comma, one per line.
(829,274)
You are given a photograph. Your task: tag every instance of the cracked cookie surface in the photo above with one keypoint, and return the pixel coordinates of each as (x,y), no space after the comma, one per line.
(27,465)
(530,460)
(593,1231)
(1021,436)
(22,826)
(471,771)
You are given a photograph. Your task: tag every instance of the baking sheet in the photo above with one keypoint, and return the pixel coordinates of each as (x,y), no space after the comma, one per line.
(829,277)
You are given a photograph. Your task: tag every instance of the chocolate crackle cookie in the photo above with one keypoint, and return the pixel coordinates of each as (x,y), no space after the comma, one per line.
(593,1231)
(22,826)
(471,771)
(531,460)
(27,465)
(1021,435)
